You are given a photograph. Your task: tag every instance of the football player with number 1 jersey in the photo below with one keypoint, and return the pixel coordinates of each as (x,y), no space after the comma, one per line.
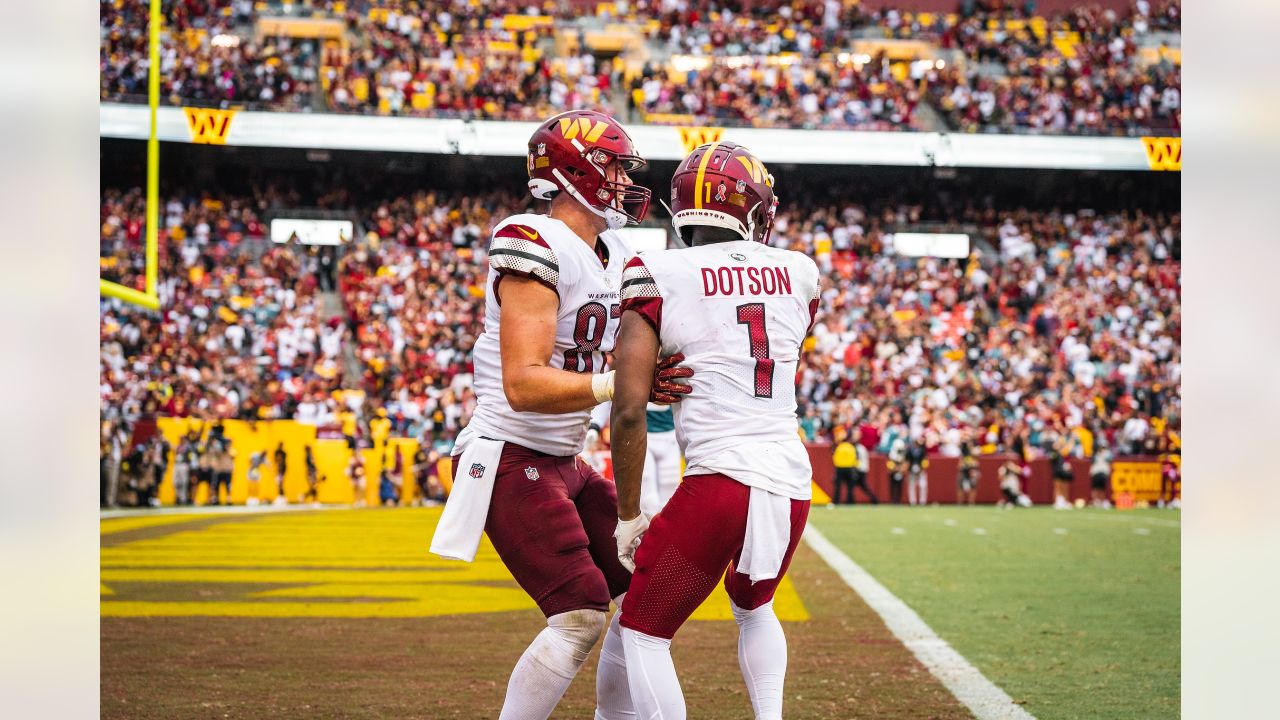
(551,316)
(738,310)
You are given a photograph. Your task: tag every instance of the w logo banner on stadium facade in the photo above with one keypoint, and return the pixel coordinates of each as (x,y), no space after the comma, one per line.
(207,125)
(694,137)
(1164,153)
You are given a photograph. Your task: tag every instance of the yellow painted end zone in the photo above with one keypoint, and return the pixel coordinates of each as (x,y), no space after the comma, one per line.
(370,563)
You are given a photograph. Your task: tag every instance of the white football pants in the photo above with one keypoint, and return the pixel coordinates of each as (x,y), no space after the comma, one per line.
(661,472)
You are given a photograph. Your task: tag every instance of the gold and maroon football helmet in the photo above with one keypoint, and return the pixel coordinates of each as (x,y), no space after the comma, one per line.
(572,151)
(723,185)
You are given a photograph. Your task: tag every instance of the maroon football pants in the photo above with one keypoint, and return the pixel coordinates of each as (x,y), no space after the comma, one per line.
(551,519)
(687,549)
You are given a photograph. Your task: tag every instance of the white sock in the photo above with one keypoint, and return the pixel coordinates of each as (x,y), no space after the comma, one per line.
(762,655)
(549,664)
(924,491)
(655,689)
(613,692)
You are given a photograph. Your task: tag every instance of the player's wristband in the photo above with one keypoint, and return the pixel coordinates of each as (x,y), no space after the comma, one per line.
(602,386)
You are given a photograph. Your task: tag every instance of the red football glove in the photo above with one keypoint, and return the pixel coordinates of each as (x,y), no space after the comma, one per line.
(665,388)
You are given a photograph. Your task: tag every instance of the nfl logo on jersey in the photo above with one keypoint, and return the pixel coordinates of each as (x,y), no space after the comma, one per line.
(531,473)
(477,470)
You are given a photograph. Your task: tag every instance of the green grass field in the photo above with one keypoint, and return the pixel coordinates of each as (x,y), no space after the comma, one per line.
(1075,614)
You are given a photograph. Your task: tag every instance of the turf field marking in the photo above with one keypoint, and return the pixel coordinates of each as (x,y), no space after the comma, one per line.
(1142,531)
(1059,531)
(979,531)
(949,522)
(898,531)
(983,698)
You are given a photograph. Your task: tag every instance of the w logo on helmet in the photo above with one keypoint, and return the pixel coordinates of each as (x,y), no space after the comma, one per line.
(756,168)
(591,130)
(208,126)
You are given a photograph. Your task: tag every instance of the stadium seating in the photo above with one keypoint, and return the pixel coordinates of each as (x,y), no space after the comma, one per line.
(807,64)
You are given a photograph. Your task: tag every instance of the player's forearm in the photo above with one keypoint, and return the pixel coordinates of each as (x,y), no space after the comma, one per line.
(542,389)
(630,445)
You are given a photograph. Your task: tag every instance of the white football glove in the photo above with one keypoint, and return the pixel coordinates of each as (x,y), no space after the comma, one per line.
(629,533)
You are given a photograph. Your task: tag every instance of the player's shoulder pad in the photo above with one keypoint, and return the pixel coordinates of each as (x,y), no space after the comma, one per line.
(807,265)
(519,248)
(637,280)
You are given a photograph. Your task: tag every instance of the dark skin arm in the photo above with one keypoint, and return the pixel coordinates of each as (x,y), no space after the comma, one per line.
(635,362)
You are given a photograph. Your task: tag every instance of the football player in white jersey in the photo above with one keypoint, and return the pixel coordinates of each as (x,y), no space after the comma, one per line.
(739,311)
(551,317)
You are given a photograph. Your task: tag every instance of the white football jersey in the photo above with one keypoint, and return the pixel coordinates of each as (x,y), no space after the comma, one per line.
(546,250)
(739,311)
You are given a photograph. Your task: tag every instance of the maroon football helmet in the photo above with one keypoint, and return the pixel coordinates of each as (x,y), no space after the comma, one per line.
(723,185)
(572,151)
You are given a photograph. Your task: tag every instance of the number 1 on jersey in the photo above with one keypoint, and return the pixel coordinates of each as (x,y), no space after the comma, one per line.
(752,315)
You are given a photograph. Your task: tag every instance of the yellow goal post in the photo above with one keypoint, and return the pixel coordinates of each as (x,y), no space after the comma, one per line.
(149,298)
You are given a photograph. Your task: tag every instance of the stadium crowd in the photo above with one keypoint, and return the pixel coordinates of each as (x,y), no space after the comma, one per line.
(440,59)
(768,64)
(206,57)
(1076,326)
(1095,85)
(814,94)
(242,335)
(766,27)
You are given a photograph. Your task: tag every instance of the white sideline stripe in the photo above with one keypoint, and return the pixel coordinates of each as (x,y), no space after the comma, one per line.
(970,687)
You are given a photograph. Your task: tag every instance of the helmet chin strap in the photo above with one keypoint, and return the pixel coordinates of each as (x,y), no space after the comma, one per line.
(613,218)
(679,241)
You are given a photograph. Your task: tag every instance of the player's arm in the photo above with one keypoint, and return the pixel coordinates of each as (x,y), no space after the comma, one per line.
(528,277)
(635,361)
(527,340)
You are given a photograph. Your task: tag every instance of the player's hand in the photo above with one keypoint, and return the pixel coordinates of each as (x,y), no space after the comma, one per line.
(666,390)
(629,533)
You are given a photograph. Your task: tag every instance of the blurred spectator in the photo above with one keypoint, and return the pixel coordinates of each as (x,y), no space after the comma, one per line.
(356,474)
(917,478)
(221,464)
(391,479)
(313,482)
(256,461)
(1100,476)
(185,462)
(281,459)
(845,461)
(427,474)
(968,477)
(1011,473)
